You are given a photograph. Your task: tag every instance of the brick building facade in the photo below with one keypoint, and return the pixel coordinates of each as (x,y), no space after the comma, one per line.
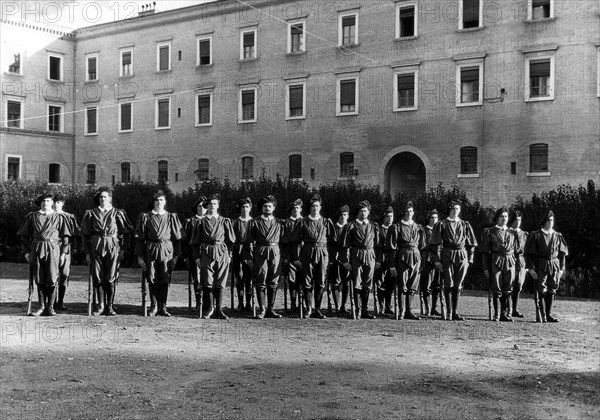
(499,97)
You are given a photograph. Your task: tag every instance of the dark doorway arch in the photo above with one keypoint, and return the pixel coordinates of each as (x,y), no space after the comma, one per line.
(405,172)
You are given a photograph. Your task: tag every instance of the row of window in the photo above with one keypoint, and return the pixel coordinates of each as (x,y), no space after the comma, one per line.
(470,16)
(469,76)
(538,160)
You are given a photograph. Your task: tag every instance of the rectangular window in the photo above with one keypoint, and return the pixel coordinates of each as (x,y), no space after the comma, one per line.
(468,160)
(13,114)
(513,168)
(204,52)
(247,168)
(163,59)
(126,63)
(204,109)
(407,20)
(125,117)
(202,171)
(14,65)
(471,14)
(163,113)
(540,9)
(539,78)
(125,172)
(406,91)
(91,123)
(55,67)
(348,96)
(248,47)
(296,37)
(13,168)
(538,158)
(91,67)
(295,167)
(91,174)
(469,85)
(296,101)
(346,164)
(54,173)
(348,29)
(55,118)
(163,170)
(248,105)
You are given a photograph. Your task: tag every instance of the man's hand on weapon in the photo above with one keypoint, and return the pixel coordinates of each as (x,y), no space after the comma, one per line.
(28,257)
(142,263)
(393,272)
(298,264)
(63,258)
(347,266)
(532,273)
(88,259)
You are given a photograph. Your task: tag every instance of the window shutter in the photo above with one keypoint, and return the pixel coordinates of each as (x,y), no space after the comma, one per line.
(203,101)
(469,74)
(539,68)
(349,21)
(248,98)
(164,58)
(406,82)
(126,58)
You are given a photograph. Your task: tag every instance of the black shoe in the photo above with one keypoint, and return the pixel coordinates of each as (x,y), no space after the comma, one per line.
(110,311)
(50,311)
(163,312)
(517,314)
(342,310)
(435,313)
(410,315)
(388,311)
(260,314)
(99,311)
(505,318)
(317,315)
(272,314)
(457,317)
(550,318)
(219,314)
(364,314)
(153,311)
(39,312)
(209,313)
(240,308)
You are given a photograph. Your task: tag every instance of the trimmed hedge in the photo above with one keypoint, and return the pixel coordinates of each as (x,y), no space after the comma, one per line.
(577,211)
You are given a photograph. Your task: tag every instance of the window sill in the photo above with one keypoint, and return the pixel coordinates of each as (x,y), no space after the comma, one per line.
(54,132)
(347,46)
(346,114)
(412,108)
(295,118)
(89,82)
(247,122)
(247,60)
(467,104)
(125,131)
(296,179)
(541,20)
(90,134)
(163,71)
(203,66)
(406,38)
(54,183)
(468,175)
(129,76)
(295,53)
(466,30)
(540,99)
(55,81)
(538,174)
(162,128)
(8,73)
(346,178)
(204,125)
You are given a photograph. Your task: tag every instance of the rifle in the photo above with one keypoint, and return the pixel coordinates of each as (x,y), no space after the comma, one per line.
(232,289)
(375,302)
(286,278)
(396,297)
(351,293)
(30,289)
(300,297)
(328,286)
(538,313)
(90,291)
(442,306)
(421,299)
(144,293)
(253,297)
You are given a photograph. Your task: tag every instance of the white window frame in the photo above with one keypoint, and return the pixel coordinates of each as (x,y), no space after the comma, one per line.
(460,65)
(62,117)
(203,38)
(21,110)
(460,16)
(62,66)
(341,16)
(240,107)
(120,112)
(338,102)
(287,100)
(20,157)
(405,5)
(401,72)
(251,178)
(121,51)
(197,114)
(598,70)
(245,31)
(161,98)
(538,57)
(85,124)
(158,46)
(530,11)
(22,58)
(87,67)
(289,37)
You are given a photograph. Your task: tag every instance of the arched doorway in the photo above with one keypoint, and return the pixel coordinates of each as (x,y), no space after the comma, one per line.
(405,172)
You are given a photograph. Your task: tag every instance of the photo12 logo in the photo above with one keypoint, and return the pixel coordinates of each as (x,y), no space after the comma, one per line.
(67,12)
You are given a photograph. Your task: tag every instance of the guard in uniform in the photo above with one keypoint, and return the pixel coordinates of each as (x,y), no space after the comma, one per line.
(384,283)
(158,236)
(294,273)
(190,262)
(359,240)
(498,249)
(338,275)
(45,243)
(431,281)
(514,222)
(452,246)
(265,233)
(105,234)
(404,243)
(242,252)
(310,255)
(212,241)
(65,267)
(545,254)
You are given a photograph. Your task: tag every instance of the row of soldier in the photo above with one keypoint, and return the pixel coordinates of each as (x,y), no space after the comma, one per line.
(316,255)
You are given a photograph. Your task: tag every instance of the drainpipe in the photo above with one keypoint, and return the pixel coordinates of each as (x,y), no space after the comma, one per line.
(74,103)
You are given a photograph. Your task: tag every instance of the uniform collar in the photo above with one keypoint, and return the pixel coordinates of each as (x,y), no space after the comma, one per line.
(268,218)
(107,208)
(502,227)
(197,216)
(158,212)
(295,218)
(212,216)
(453,220)
(409,223)
(46,213)
(338,223)
(362,222)
(547,232)
(314,218)
(245,220)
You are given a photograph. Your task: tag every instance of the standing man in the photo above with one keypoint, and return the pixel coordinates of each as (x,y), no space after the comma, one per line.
(190,262)
(404,242)
(105,233)
(266,232)
(384,282)
(498,249)
(431,281)
(158,236)
(294,273)
(212,241)
(45,243)
(65,267)
(338,275)
(312,256)
(359,239)
(514,222)
(452,246)
(545,253)
(242,253)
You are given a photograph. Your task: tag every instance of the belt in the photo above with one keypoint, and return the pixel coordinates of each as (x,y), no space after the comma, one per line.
(158,241)
(454,247)
(547,258)
(317,244)
(39,239)
(505,254)
(408,247)
(212,242)
(103,235)
(366,248)
(267,243)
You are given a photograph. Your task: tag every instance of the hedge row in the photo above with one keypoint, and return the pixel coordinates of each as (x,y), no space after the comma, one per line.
(577,213)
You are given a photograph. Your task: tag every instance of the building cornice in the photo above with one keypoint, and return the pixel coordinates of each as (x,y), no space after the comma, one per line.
(539,48)
(36,133)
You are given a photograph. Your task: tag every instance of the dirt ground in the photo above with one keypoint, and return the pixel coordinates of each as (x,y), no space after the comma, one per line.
(130,367)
